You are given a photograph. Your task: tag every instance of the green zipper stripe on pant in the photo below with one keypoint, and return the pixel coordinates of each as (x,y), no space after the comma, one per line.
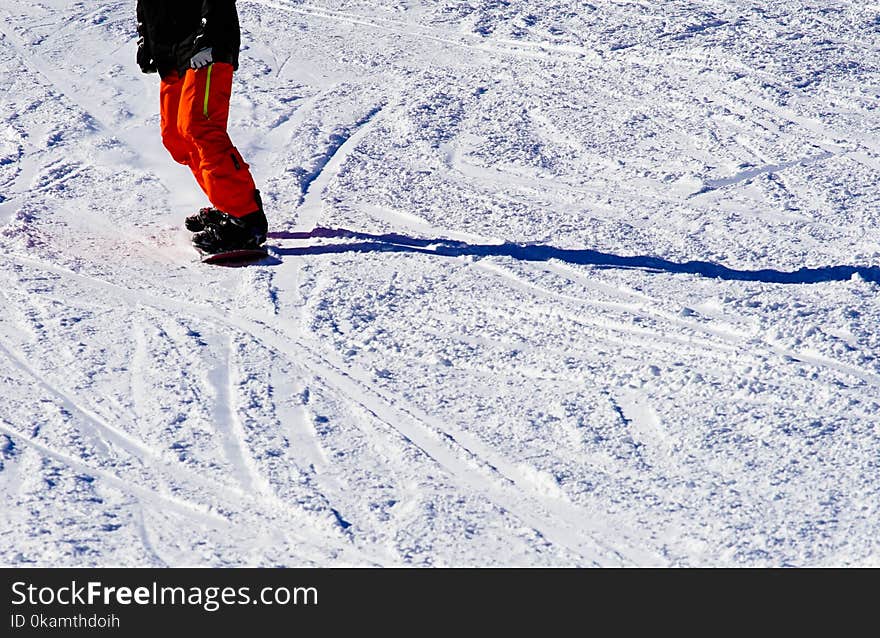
(208,89)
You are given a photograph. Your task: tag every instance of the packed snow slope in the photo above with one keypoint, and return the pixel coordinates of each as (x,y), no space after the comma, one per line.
(557,283)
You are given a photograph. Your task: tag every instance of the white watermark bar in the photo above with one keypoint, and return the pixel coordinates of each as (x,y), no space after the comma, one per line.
(354,602)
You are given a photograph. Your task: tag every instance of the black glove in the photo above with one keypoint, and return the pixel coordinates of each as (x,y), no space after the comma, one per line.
(144,59)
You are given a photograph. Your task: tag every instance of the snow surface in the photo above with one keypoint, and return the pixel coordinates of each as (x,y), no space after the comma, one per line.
(554,283)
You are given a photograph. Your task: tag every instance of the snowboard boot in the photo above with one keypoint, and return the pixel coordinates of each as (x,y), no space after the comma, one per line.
(212,216)
(217,232)
(198,222)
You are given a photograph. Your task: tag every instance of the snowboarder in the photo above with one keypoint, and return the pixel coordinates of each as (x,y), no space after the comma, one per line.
(193,45)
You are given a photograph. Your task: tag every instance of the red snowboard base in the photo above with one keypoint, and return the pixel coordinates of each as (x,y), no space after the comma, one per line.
(234,257)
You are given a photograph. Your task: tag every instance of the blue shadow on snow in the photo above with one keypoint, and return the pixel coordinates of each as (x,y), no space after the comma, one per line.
(393,242)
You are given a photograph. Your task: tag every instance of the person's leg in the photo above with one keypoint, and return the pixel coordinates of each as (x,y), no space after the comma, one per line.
(204,111)
(180,149)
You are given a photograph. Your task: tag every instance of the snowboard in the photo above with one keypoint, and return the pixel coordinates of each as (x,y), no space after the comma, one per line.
(234,257)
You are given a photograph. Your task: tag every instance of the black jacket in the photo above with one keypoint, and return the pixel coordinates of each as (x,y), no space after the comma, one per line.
(171,31)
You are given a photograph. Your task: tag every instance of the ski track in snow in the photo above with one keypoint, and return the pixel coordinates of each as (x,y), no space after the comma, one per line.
(418,380)
(226,420)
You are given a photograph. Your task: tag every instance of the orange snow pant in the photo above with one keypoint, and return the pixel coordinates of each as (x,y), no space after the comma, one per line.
(195,110)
